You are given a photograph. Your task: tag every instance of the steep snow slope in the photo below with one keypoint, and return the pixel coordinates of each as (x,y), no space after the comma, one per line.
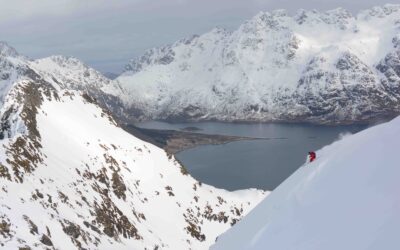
(347,199)
(72,179)
(320,67)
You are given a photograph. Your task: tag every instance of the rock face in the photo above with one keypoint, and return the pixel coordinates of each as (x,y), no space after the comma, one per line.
(71,178)
(328,67)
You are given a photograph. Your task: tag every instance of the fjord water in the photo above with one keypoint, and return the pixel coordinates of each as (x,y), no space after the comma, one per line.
(263,163)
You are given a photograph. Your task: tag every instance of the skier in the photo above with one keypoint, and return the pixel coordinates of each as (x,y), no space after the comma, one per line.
(312,156)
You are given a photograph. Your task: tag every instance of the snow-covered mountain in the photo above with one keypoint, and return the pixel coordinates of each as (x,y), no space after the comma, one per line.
(324,67)
(348,198)
(71,73)
(66,73)
(71,178)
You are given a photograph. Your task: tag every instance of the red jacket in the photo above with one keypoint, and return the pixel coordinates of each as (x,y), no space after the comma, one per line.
(312,156)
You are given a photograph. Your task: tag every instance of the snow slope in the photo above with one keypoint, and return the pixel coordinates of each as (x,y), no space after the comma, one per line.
(347,199)
(71,178)
(324,67)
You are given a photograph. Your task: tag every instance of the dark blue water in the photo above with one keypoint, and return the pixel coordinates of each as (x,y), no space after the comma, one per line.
(258,163)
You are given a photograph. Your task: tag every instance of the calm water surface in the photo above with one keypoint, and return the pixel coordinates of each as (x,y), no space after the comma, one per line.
(257,163)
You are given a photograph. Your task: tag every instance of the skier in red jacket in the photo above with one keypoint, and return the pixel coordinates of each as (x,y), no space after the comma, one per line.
(312,156)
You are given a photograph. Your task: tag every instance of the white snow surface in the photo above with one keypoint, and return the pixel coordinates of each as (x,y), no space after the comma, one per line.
(269,68)
(346,199)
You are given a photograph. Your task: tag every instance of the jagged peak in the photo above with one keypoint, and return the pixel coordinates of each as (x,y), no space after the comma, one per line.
(338,16)
(259,25)
(64,61)
(280,18)
(7,50)
(265,20)
(216,34)
(187,40)
(379,11)
(269,14)
(302,15)
(167,51)
(70,63)
(273,15)
(339,13)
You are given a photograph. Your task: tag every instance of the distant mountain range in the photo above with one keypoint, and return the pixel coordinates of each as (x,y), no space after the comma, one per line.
(320,67)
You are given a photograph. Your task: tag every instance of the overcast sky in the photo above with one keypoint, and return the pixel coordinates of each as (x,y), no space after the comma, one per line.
(107,33)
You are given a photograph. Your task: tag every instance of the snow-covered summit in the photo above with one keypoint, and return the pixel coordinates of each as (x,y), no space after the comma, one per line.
(346,199)
(275,67)
(62,72)
(72,69)
(7,50)
(380,11)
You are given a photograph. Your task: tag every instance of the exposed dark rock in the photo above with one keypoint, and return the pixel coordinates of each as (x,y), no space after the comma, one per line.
(46,240)
(5,229)
(4,172)
(72,230)
(32,226)
(114,222)
(118,186)
(195,232)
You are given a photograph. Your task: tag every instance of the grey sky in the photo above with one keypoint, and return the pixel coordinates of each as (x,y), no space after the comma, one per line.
(107,33)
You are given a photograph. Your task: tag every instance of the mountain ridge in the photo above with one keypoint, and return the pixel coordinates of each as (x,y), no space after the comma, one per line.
(271,67)
(71,178)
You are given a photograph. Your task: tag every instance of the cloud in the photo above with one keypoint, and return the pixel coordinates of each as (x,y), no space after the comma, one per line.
(106,34)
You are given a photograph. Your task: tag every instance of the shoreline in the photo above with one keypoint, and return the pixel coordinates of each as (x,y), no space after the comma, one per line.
(175,141)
